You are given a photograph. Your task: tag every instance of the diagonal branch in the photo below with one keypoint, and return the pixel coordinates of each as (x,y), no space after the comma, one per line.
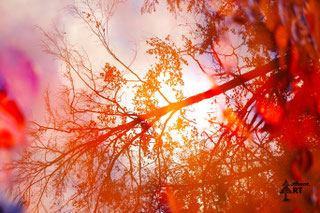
(235,82)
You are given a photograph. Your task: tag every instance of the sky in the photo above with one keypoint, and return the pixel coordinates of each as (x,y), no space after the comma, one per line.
(20,22)
(129,30)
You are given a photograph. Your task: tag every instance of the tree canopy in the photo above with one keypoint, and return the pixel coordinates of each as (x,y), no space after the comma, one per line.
(120,140)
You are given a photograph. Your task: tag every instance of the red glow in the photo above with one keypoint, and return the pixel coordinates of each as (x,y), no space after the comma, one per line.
(11,109)
(6,139)
(271,112)
(168,197)
(14,120)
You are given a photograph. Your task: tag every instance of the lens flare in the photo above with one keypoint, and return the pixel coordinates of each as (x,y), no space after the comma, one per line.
(18,85)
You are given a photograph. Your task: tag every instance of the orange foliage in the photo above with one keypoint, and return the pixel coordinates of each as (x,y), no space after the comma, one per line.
(271,19)
(281,37)
(234,123)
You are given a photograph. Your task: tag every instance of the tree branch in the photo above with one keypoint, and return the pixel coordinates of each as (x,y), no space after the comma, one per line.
(237,81)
